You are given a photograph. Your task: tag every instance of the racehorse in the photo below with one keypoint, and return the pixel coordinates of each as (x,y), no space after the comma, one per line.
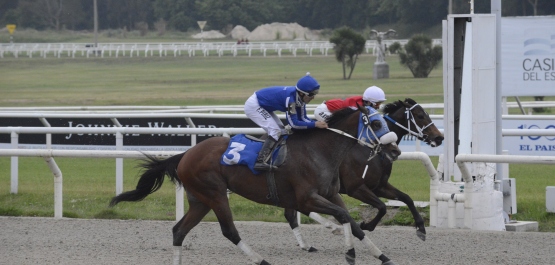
(403,117)
(307,182)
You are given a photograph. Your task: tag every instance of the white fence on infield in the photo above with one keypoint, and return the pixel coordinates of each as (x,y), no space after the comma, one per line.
(72,50)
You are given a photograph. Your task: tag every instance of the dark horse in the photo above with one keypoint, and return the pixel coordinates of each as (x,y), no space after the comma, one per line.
(403,117)
(307,182)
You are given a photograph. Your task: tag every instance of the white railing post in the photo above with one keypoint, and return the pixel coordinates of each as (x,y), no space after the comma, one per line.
(119,164)
(14,165)
(58,187)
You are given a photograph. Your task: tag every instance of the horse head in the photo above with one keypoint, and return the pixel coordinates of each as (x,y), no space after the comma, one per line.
(409,117)
(384,140)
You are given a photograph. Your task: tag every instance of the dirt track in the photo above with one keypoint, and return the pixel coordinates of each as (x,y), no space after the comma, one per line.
(77,241)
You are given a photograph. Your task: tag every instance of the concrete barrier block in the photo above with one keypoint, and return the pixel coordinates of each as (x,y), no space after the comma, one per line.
(550,199)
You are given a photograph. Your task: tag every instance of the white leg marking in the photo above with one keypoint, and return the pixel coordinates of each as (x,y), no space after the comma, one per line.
(177,255)
(348,235)
(247,249)
(300,239)
(373,249)
(325,222)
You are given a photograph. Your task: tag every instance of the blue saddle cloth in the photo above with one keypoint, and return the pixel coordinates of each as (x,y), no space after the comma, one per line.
(243,151)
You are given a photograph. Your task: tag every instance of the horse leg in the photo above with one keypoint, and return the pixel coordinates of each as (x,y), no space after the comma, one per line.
(220,206)
(358,233)
(291,216)
(335,229)
(337,208)
(393,193)
(194,215)
(364,194)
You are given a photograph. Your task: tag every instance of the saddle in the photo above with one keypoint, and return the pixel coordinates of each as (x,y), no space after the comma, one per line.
(279,151)
(243,150)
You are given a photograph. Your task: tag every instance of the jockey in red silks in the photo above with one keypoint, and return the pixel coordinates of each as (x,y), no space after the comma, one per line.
(373,96)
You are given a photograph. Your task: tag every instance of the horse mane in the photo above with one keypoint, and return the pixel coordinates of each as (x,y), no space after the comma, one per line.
(394,106)
(340,115)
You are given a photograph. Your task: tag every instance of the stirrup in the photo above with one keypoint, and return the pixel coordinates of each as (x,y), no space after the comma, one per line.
(261,166)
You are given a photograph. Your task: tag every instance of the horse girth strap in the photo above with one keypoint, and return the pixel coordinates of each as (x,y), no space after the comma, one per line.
(272,188)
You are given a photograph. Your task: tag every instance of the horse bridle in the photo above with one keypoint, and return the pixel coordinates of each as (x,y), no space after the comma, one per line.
(410,118)
(373,146)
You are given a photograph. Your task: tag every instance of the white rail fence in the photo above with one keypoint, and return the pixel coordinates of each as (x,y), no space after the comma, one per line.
(72,50)
(49,154)
(119,154)
(466,198)
(43,114)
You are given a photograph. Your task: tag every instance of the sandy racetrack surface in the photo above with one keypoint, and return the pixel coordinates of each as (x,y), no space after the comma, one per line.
(77,241)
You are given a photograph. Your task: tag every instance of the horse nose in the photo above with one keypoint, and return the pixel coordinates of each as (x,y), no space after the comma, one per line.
(438,140)
(395,154)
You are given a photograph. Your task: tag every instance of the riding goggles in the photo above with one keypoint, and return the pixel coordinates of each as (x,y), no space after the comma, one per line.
(311,94)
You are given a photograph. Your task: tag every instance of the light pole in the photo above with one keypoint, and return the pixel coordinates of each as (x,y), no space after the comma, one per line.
(95,27)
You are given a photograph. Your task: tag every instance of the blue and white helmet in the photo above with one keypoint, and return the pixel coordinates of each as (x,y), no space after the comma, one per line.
(307,84)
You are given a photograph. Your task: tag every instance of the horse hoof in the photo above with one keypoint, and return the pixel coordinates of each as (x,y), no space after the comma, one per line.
(421,235)
(264,263)
(367,226)
(350,256)
(389,263)
(312,249)
(337,231)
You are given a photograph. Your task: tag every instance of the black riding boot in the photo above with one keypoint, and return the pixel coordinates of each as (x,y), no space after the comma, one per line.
(262,159)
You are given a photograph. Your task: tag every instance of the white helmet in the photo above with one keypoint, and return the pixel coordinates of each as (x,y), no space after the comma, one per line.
(373,94)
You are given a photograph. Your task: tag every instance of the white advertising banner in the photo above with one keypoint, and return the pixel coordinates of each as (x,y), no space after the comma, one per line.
(528,56)
(529,145)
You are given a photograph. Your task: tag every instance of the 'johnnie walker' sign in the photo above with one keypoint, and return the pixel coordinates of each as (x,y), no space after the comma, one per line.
(128,139)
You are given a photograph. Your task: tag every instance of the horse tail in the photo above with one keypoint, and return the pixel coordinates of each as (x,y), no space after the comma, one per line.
(152,178)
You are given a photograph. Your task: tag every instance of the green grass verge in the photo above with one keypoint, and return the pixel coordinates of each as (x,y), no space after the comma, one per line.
(89,185)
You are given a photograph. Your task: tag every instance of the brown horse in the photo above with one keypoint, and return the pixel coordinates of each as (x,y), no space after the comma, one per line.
(403,117)
(307,182)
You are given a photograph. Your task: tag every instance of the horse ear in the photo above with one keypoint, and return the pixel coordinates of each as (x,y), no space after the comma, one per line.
(363,109)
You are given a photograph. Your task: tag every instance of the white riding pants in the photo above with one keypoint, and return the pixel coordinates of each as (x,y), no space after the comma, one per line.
(268,121)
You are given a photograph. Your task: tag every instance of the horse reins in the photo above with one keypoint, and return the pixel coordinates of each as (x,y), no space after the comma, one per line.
(410,118)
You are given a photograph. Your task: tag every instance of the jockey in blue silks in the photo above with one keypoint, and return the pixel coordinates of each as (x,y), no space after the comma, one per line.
(292,100)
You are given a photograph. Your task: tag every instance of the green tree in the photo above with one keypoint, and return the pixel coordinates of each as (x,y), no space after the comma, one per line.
(180,14)
(248,13)
(395,47)
(348,45)
(419,55)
